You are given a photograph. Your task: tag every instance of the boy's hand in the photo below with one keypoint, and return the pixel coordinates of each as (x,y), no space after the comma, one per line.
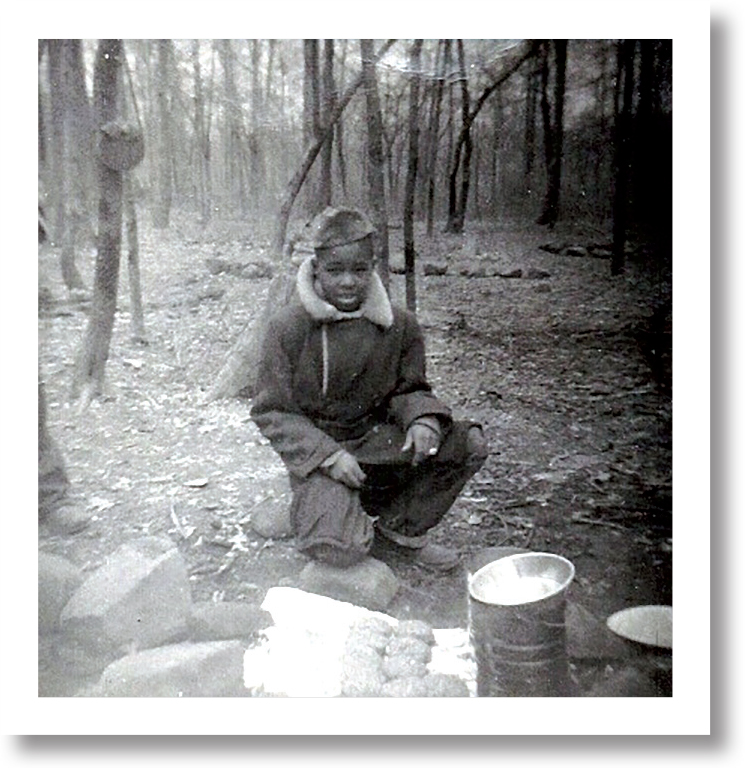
(424,440)
(344,468)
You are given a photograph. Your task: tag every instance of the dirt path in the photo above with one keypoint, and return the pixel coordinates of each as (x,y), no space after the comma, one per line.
(554,367)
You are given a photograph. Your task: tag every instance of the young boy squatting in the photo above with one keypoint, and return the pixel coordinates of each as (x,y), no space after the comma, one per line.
(375,459)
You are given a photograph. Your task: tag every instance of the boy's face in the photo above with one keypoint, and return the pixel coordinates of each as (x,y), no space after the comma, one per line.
(344,273)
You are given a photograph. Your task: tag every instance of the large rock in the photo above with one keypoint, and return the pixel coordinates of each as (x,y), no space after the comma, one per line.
(185,669)
(139,598)
(58,580)
(227,621)
(370,583)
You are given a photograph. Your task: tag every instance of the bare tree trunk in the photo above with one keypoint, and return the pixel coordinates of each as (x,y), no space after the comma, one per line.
(91,363)
(257,105)
(340,159)
(328,98)
(235,184)
(532,81)
(55,49)
(434,132)
(162,212)
(375,159)
(311,118)
(462,201)
(42,46)
(624,95)
(550,212)
(413,161)
(202,141)
(76,151)
(133,261)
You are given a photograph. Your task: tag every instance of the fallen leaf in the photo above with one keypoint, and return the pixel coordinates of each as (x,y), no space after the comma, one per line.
(197,482)
(100,503)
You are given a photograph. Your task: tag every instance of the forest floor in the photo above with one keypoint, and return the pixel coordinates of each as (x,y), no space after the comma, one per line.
(555,364)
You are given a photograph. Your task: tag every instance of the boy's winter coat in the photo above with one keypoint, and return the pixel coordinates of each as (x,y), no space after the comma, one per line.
(331,380)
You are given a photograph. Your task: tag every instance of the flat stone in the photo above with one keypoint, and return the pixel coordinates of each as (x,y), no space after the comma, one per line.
(534,273)
(575,250)
(512,273)
(139,598)
(369,583)
(473,271)
(431,268)
(227,621)
(182,670)
(58,580)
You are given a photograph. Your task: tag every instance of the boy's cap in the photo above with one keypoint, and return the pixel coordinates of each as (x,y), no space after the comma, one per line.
(339,226)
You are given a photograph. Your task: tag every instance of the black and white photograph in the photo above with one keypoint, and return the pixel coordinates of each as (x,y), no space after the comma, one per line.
(355,373)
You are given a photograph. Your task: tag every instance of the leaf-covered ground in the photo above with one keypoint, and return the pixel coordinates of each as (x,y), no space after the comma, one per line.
(557,364)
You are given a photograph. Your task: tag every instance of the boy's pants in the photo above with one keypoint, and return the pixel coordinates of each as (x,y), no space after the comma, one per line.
(336,524)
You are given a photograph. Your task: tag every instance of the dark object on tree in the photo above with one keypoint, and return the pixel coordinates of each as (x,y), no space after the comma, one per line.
(122,145)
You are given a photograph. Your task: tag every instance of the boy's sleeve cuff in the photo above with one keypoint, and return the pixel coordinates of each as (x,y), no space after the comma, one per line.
(431,422)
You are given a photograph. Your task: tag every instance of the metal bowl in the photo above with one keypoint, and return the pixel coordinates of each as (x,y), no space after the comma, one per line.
(650,625)
(522,578)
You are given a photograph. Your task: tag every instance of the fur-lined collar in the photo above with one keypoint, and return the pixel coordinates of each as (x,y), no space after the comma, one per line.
(376,308)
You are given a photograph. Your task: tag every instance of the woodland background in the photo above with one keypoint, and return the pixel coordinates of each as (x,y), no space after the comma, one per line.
(522,193)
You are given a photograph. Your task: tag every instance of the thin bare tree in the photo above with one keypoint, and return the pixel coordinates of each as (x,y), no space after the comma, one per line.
(415,77)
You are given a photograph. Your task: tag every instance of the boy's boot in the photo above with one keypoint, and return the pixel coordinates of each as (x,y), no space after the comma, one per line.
(414,549)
